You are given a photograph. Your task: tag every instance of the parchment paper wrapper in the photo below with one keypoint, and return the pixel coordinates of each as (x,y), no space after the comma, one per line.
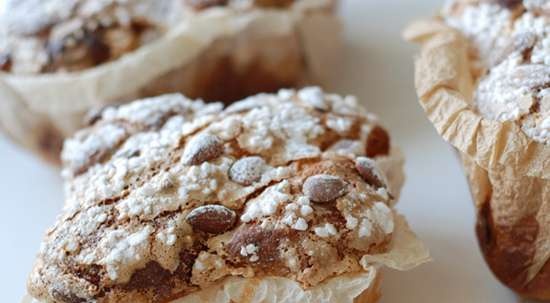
(507,171)
(406,252)
(220,54)
(392,166)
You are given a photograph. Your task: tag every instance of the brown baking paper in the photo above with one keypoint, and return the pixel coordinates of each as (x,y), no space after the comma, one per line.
(508,173)
(36,109)
(513,227)
(406,251)
(444,86)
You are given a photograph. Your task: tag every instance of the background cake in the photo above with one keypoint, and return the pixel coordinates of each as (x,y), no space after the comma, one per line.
(483,78)
(60,59)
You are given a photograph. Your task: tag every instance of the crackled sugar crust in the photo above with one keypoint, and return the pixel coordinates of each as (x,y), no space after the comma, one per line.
(41,36)
(511,44)
(165,196)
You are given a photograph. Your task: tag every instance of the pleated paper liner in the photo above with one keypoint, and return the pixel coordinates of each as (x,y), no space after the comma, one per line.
(513,228)
(508,172)
(445,86)
(219,54)
(358,288)
(405,252)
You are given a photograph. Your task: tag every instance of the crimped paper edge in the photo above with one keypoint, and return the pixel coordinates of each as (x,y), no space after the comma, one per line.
(406,252)
(444,84)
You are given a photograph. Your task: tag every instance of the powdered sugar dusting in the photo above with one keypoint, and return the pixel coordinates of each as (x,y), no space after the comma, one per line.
(297,214)
(78,151)
(250,250)
(315,97)
(382,214)
(152,111)
(326,230)
(292,126)
(268,202)
(124,249)
(341,125)
(515,52)
(141,183)
(539,6)
(483,24)
(247,170)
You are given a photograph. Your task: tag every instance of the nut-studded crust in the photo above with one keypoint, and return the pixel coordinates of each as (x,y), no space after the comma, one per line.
(510,53)
(135,226)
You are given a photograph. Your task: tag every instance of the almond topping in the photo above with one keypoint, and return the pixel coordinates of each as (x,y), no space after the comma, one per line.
(202,148)
(369,172)
(247,170)
(214,219)
(324,188)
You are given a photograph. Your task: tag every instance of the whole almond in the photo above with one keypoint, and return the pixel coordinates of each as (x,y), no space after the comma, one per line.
(369,171)
(324,188)
(273,3)
(202,148)
(202,4)
(378,142)
(509,3)
(247,170)
(214,219)
(520,43)
(5,62)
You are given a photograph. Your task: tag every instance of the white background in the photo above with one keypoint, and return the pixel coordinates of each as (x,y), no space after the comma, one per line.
(377,66)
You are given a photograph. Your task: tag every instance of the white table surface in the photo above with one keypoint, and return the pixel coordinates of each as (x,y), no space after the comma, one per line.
(377,67)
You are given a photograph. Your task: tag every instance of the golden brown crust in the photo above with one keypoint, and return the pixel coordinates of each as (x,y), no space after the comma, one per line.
(167,196)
